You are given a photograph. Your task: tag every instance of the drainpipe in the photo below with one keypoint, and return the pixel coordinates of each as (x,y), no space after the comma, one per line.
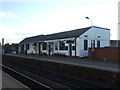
(39,46)
(75,47)
(26,50)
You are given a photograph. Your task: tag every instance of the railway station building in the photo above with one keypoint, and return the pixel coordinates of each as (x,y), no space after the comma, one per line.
(74,43)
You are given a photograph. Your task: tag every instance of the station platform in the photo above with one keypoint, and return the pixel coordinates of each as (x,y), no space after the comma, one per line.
(84,62)
(102,72)
(7,82)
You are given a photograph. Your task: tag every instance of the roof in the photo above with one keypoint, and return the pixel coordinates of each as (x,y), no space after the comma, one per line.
(60,35)
(33,39)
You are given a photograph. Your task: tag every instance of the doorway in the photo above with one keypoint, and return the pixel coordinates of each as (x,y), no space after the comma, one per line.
(49,49)
(39,46)
(70,50)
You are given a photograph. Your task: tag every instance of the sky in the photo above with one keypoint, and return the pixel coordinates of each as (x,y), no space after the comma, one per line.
(20,19)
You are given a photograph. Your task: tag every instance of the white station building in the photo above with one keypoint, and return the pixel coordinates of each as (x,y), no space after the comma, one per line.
(69,43)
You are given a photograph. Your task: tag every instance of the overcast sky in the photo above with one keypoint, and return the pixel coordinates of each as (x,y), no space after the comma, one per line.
(22,19)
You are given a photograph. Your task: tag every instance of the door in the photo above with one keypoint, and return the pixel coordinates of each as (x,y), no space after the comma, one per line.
(26,49)
(39,46)
(70,50)
(49,49)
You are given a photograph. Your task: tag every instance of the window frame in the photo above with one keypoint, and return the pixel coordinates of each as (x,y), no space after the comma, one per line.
(62,45)
(44,46)
(98,43)
(85,44)
(56,45)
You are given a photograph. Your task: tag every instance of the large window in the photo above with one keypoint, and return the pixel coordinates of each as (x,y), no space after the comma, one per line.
(22,48)
(85,44)
(98,43)
(66,47)
(44,45)
(62,45)
(56,45)
(73,47)
(35,44)
(27,46)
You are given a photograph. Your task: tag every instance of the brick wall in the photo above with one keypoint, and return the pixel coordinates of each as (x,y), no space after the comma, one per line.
(106,53)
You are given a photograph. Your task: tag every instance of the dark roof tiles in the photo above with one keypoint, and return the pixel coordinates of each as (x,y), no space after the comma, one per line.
(60,35)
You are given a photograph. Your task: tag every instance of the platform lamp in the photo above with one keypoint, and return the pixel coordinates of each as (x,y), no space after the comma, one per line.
(92,38)
(118,45)
(117,28)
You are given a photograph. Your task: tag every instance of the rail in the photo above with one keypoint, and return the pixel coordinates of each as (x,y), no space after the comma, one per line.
(32,81)
(67,80)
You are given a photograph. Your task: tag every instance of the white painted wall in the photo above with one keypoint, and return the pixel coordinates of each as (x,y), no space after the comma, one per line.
(66,52)
(104,39)
(78,46)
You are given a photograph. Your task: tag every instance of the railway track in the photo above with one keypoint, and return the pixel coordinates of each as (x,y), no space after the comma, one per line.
(67,80)
(29,82)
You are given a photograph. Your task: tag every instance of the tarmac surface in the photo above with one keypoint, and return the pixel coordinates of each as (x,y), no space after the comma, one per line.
(102,65)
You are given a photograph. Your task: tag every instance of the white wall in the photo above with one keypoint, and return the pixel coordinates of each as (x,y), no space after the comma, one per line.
(104,39)
(78,46)
(66,52)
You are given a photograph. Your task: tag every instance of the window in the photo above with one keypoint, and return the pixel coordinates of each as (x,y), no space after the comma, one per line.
(62,45)
(66,47)
(44,45)
(56,45)
(98,43)
(27,46)
(73,47)
(35,44)
(22,48)
(85,44)
(92,43)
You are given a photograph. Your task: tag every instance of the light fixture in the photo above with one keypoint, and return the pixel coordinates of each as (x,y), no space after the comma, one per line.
(99,36)
(87,17)
(85,36)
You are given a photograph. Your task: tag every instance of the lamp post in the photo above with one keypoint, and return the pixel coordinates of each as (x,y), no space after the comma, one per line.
(92,38)
(118,34)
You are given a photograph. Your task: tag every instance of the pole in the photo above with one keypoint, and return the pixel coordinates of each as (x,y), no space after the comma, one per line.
(92,41)
(92,38)
(75,47)
(26,49)
(2,45)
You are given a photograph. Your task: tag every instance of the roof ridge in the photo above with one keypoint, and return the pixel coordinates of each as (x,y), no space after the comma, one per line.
(101,27)
(59,35)
(70,30)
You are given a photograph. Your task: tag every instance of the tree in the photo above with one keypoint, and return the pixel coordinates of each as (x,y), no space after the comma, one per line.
(7,47)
